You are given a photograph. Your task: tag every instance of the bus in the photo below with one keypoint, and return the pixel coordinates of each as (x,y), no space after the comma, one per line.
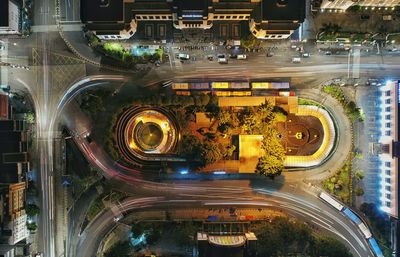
(327,198)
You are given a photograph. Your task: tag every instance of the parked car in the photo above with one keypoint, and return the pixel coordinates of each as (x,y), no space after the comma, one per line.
(222,59)
(296,60)
(242,57)
(306,55)
(184,57)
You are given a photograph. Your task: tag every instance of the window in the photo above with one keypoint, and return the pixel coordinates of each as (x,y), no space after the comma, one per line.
(235,30)
(387,125)
(387,101)
(387,164)
(234,17)
(149,30)
(164,17)
(388,93)
(387,204)
(228,17)
(387,109)
(161,30)
(387,188)
(387,172)
(387,133)
(144,17)
(387,117)
(387,180)
(388,196)
(223,30)
(151,17)
(157,17)
(240,17)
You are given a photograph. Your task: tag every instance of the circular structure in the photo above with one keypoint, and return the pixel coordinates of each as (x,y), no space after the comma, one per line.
(146,134)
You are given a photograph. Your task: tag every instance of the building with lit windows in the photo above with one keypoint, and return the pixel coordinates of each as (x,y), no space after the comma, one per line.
(388,148)
(344,4)
(10,17)
(222,19)
(14,164)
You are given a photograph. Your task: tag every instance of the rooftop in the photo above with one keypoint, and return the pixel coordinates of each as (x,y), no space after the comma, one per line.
(4,13)
(283,10)
(102,10)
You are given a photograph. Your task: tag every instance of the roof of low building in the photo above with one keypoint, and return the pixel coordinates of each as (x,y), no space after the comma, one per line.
(283,10)
(102,10)
(4,13)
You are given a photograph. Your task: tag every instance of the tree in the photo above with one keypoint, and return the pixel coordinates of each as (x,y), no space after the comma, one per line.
(189,148)
(210,152)
(120,249)
(359,174)
(31,226)
(271,163)
(327,246)
(32,210)
(359,191)
(269,166)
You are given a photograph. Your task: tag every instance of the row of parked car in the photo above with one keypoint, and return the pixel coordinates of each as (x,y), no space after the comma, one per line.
(222,58)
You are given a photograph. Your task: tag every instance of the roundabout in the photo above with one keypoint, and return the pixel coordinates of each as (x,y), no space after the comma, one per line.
(146,134)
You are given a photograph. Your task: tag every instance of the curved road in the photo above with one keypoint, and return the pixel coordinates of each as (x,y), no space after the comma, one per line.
(284,192)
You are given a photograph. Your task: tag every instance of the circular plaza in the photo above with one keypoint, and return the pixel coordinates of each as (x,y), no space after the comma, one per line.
(146,134)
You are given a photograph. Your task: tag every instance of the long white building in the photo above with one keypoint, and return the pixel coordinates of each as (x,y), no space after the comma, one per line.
(389,148)
(344,4)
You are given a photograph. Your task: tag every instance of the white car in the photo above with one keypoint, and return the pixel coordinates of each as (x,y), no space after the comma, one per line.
(184,56)
(222,59)
(242,57)
(39,255)
(296,59)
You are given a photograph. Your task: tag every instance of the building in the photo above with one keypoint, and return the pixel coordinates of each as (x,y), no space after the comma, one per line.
(13,166)
(344,4)
(388,148)
(226,239)
(160,19)
(10,17)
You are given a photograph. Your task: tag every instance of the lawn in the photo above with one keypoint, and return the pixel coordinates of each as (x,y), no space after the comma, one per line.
(95,208)
(339,184)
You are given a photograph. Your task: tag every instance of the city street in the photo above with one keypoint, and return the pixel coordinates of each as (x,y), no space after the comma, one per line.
(288,193)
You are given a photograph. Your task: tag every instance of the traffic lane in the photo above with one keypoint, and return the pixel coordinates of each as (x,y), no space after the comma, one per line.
(76,216)
(325,220)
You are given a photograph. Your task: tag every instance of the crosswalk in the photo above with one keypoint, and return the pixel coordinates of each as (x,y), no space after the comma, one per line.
(56,28)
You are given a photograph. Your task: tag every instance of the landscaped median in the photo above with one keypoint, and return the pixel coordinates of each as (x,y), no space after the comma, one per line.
(125,55)
(353,112)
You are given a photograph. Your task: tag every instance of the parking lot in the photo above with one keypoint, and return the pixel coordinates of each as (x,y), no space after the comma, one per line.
(367,133)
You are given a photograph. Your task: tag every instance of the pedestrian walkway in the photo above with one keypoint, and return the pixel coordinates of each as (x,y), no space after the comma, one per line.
(55,28)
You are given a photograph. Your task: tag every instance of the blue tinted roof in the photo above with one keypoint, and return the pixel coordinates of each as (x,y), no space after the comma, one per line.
(352,216)
(375,247)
